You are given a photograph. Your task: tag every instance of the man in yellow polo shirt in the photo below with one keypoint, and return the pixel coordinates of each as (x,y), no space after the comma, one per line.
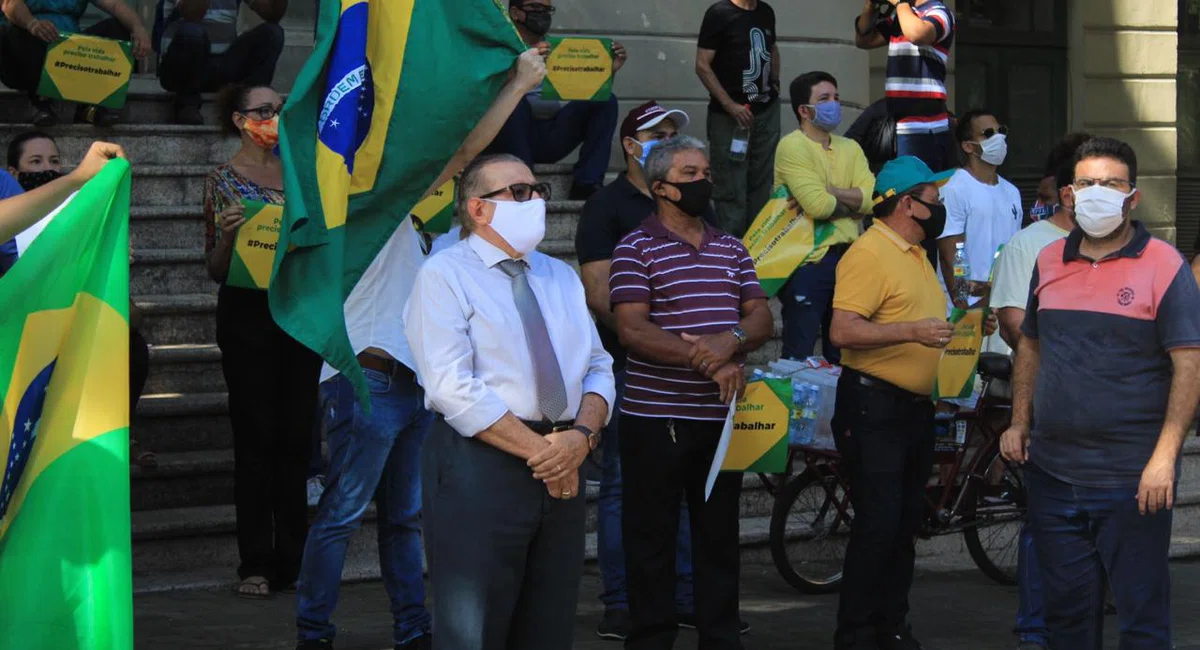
(889,319)
(829,177)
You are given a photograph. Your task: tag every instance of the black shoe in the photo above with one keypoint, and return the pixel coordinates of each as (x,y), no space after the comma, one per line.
(689,621)
(315,644)
(615,625)
(896,638)
(423,642)
(96,116)
(581,192)
(860,639)
(43,113)
(188,115)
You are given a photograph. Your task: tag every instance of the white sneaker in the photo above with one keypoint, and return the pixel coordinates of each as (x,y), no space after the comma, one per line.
(316,487)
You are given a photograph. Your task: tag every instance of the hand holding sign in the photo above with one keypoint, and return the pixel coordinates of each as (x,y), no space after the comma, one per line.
(619,56)
(932,332)
(43,29)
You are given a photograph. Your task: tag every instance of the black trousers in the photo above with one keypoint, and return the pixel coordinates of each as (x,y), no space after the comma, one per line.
(505,558)
(272,382)
(889,454)
(139,367)
(658,471)
(22,55)
(189,68)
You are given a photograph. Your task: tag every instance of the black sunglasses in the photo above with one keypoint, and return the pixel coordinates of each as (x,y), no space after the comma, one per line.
(264,112)
(989,132)
(522,192)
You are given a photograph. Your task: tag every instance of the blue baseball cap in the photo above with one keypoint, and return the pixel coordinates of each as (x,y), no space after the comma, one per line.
(904,173)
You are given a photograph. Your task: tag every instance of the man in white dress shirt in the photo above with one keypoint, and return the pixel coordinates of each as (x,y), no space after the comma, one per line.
(508,355)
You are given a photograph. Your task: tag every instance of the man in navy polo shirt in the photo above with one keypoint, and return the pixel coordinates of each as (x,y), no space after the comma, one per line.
(1108,372)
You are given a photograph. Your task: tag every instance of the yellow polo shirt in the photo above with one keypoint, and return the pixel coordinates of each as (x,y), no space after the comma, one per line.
(808,169)
(885,279)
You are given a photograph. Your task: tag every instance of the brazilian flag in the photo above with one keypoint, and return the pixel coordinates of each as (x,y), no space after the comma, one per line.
(65,575)
(392,89)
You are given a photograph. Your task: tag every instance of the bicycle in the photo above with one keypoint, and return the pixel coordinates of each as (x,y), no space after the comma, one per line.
(976,492)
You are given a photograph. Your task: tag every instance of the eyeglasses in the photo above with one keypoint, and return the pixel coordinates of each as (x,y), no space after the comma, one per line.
(1119,184)
(989,132)
(522,192)
(264,112)
(534,8)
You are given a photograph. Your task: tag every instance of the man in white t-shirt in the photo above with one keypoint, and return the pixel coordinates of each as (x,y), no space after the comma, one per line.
(376,454)
(983,210)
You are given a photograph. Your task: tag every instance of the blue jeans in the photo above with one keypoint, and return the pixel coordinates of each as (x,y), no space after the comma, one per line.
(376,455)
(588,125)
(807,301)
(1031,614)
(610,551)
(1082,533)
(934,149)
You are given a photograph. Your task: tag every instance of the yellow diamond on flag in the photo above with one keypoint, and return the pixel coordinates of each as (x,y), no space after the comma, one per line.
(579,67)
(88,69)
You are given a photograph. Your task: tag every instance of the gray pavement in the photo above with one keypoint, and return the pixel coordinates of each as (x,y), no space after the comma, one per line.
(952,610)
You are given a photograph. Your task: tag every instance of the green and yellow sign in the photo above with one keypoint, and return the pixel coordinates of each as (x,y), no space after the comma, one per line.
(956,369)
(254,250)
(760,428)
(88,70)
(781,239)
(436,211)
(579,69)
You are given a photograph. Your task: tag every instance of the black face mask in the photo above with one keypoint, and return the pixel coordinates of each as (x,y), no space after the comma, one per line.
(936,223)
(34,180)
(694,197)
(538,22)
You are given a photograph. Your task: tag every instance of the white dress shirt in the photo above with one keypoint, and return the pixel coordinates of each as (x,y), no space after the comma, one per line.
(469,344)
(375,307)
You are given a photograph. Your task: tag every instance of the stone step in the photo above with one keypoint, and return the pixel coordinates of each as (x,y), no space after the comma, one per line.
(146,103)
(184,539)
(182,226)
(180,318)
(170,423)
(171,272)
(144,144)
(185,368)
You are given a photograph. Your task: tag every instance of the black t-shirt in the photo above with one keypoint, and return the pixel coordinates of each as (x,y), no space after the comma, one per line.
(744,42)
(607,217)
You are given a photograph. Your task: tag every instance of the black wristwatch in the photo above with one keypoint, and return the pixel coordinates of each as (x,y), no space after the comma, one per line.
(593,438)
(740,335)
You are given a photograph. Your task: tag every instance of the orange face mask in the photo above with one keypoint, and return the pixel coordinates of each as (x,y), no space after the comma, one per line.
(264,133)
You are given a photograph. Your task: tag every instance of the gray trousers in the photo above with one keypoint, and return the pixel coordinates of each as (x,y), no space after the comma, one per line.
(505,559)
(742,188)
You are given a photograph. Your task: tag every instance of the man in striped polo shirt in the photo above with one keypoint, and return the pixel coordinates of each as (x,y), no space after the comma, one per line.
(688,308)
(919,35)
(1106,384)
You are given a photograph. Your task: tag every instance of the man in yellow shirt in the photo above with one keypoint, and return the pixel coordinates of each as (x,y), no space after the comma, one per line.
(889,318)
(829,177)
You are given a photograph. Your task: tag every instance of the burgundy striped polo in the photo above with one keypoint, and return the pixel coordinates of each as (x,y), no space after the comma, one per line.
(688,290)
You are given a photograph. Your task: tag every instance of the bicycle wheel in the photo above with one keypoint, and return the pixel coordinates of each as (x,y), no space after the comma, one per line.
(997,512)
(810,528)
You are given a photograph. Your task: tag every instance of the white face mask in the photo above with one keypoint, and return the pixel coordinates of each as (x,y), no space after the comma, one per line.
(522,225)
(994,149)
(1100,210)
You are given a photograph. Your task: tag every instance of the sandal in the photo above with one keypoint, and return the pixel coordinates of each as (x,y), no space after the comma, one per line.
(253,588)
(140,457)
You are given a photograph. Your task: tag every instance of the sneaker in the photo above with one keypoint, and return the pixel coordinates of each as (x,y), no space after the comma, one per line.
(315,644)
(43,113)
(897,638)
(316,487)
(615,625)
(582,192)
(688,621)
(423,642)
(188,115)
(96,116)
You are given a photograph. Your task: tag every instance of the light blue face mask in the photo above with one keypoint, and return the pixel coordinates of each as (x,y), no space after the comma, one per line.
(646,147)
(828,115)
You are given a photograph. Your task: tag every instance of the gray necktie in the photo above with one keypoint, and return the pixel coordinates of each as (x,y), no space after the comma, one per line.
(551,392)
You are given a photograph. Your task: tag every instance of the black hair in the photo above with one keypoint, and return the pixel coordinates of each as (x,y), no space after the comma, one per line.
(1112,148)
(1061,162)
(802,87)
(232,99)
(16,148)
(966,124)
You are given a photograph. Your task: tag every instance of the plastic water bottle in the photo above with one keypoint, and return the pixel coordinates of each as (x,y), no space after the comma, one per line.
(803,425)
(740,143)
(962,276)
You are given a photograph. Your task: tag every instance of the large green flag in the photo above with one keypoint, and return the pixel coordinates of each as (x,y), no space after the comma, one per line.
(391,91)
(65,577)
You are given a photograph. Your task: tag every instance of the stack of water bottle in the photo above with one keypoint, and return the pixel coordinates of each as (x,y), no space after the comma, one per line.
(814,391)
